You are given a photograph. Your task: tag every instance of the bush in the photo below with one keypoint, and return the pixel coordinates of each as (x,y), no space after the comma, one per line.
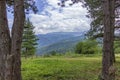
(53,53)
(87,47)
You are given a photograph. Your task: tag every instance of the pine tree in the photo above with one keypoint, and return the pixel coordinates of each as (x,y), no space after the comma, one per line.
(29,41)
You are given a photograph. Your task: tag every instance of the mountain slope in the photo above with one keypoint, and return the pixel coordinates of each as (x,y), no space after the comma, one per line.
(59,42)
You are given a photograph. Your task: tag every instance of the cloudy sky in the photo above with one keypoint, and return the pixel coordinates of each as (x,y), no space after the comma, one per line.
(53,18)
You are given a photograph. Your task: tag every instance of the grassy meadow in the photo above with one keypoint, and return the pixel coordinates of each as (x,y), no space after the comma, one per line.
(73,67)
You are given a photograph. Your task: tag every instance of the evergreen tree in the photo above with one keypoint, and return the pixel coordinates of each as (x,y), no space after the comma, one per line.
(29,41)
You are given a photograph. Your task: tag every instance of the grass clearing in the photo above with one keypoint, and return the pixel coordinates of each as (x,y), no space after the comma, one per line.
(63,68)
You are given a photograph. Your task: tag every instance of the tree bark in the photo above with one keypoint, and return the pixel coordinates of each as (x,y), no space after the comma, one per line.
(112,24)
(4,40)
(108,52)
(17,31)
(10,47)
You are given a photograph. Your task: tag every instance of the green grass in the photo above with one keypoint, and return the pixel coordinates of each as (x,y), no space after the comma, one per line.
(63,68)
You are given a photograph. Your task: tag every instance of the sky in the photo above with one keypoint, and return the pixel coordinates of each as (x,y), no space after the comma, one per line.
(53,18)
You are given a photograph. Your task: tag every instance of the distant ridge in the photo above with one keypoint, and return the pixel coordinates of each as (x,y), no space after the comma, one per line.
(58,41)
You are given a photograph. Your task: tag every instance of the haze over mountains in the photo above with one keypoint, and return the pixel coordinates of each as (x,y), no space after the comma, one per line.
(58,41)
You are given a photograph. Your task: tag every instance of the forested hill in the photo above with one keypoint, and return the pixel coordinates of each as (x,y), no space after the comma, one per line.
(58,41)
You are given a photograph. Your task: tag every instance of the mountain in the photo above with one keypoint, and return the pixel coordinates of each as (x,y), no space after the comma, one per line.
(58,41)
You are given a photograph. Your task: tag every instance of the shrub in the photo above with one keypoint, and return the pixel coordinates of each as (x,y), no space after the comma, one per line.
(87,47)
(52,53)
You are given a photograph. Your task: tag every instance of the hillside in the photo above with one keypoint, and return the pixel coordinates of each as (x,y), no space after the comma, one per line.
(59,42)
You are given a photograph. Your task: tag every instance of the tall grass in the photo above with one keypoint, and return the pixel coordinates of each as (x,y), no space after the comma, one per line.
(79,67)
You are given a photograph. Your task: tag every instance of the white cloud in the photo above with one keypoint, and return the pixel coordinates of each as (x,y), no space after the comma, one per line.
(55,19)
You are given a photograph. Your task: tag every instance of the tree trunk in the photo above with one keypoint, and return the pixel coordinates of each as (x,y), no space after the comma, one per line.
(107,62)
(10,47)
(4,40)
(112,24)
(17,31)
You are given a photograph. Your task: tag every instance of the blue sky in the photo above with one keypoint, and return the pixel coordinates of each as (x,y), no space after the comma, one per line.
(53,18)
